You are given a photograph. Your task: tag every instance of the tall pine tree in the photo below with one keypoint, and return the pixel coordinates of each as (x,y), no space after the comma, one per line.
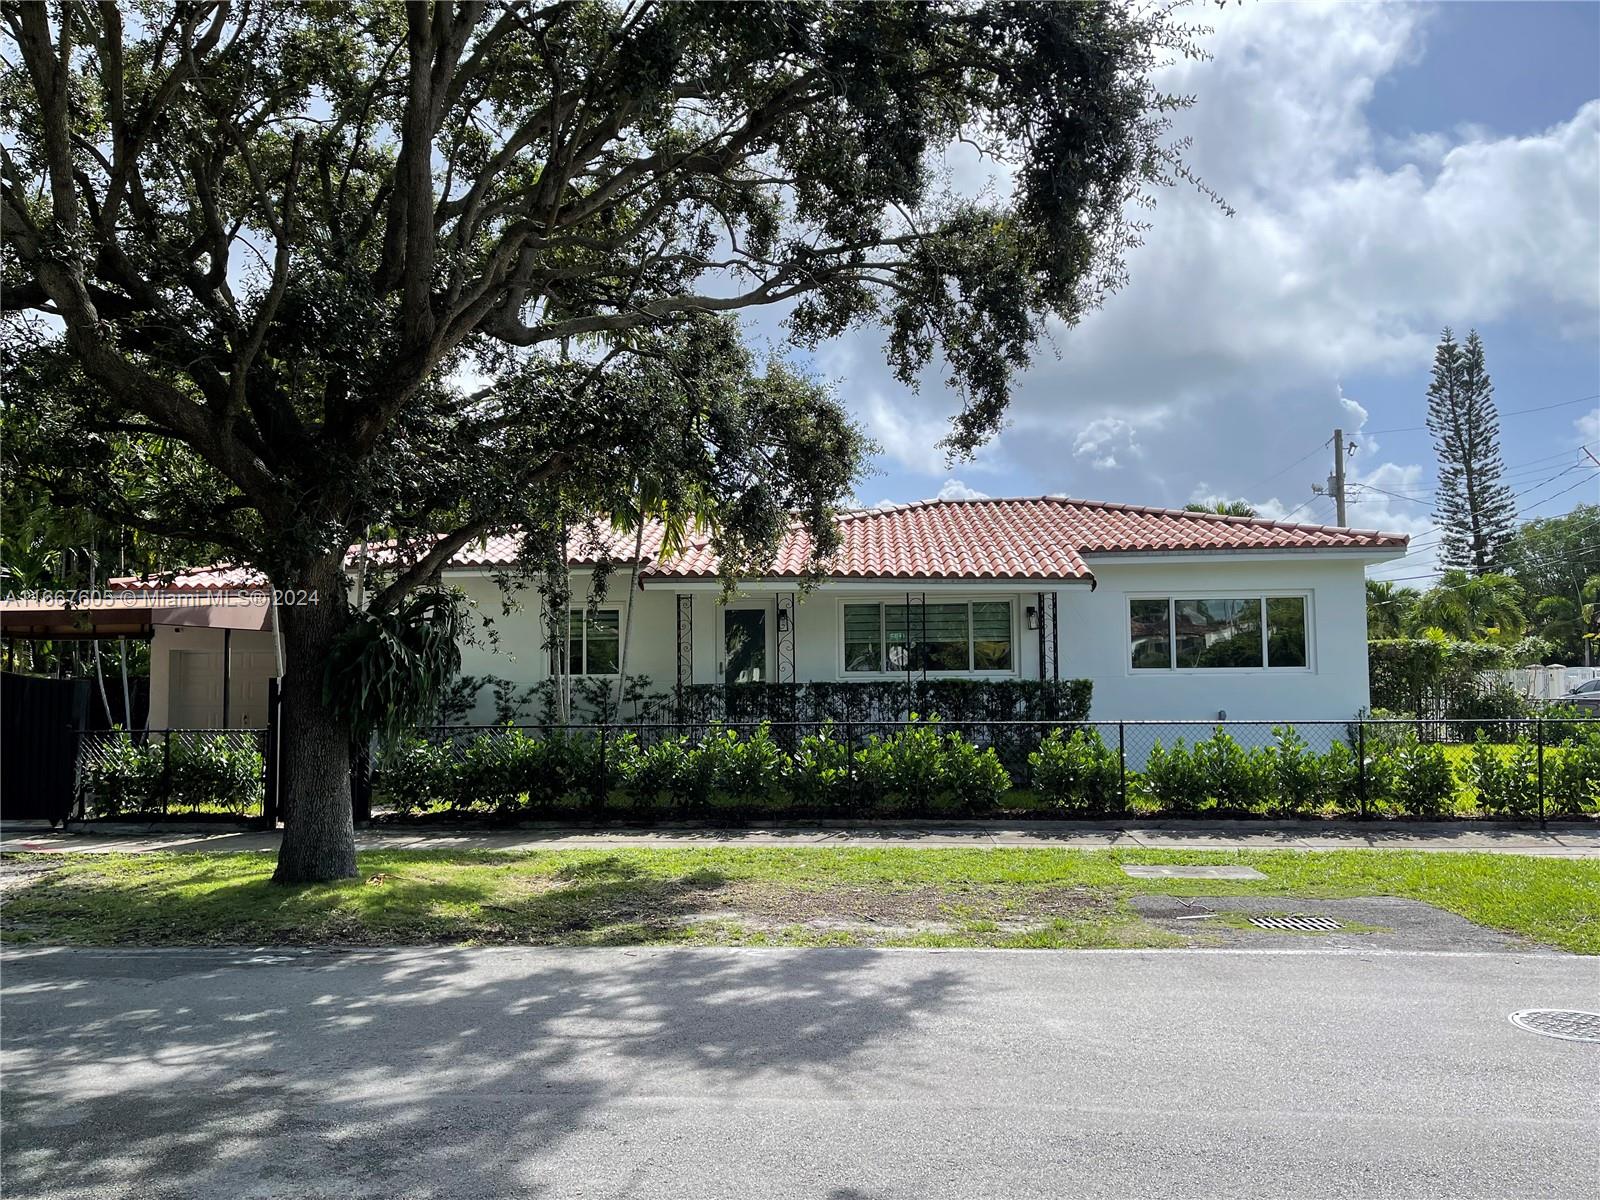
(1474,509)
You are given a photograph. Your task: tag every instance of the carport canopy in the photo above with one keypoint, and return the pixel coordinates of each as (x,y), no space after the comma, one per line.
(130,615)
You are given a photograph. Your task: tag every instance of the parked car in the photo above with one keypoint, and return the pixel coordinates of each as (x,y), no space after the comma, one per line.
(1585,695)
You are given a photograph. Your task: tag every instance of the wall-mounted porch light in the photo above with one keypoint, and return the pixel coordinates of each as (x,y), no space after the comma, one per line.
(783,620)
(1033,617)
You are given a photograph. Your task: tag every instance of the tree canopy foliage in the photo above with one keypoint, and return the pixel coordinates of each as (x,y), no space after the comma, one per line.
(447,269)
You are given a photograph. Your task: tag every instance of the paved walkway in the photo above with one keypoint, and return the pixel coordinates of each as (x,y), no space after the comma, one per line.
(1559,840)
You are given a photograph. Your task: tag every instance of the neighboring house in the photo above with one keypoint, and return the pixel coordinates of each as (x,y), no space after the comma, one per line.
(1171,614)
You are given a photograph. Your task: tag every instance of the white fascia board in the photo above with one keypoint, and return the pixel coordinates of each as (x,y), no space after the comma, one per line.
(1362,554)
(943,586)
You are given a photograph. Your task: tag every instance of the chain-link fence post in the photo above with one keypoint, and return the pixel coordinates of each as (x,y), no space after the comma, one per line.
(1361,765)
(166,771)
(852,785)
(1538,737)
(1122,764)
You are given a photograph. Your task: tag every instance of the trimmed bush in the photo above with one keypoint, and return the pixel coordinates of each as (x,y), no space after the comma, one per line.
(1236,779)
(1507,783)
(1423,783)
(128,776)
(1076,771)
(1572,778)
(1173,780)
(928,769)
(845,702)
(1298,774)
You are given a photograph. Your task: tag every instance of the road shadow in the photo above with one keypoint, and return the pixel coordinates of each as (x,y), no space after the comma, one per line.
(419,1073)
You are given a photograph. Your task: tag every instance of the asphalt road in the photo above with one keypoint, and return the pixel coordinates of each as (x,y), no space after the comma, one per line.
(827,1074)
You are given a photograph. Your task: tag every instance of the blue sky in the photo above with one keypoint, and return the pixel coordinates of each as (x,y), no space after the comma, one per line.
(1394,168)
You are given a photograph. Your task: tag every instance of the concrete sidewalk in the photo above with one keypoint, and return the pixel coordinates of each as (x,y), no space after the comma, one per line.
(1559,840)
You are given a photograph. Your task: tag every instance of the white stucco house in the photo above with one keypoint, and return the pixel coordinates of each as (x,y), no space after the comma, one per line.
(1171,614)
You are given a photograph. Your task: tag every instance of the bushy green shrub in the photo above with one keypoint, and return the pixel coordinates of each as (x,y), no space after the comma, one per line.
(922,769)
(220,774)
(1572,778)
(1339,775)
(820,779)
(1237,779)
(1423,783)
(1491,710)
(1507,783)
(740,774)
(1567,724)
(974,778)
(1298,782)
(1078,772)
(1173,779)
(657,774)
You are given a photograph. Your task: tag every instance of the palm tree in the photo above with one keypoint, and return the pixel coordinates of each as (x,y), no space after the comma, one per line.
(1473,608)
(1571,623)
(1389,608)
(1225,508)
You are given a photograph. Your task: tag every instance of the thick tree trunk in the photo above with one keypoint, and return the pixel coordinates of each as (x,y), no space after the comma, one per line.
(319,842)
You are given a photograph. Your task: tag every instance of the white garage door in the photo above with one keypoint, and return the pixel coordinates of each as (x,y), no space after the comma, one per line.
(196,695)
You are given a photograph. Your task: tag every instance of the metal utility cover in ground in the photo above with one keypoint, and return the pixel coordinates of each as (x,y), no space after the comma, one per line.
(1298,921)
(1192,872)
(1570,1025)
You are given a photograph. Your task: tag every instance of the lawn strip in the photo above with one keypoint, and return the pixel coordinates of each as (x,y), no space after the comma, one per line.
(752,896)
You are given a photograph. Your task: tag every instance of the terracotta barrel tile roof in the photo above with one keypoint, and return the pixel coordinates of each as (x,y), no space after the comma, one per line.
(1038,538)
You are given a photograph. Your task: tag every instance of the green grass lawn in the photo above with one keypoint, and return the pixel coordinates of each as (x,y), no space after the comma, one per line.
(730,896)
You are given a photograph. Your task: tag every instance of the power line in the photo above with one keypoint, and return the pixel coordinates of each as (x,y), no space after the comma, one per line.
(1429,537)
(1515,412)
(1559,494)
(1314,450)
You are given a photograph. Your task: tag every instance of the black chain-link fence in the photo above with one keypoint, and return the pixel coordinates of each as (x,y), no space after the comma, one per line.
(1506,768)
(169,772)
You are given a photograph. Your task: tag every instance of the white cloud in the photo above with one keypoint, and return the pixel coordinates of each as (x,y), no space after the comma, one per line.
(1588,427)
(1348,251)
(954,489)
(1100,441)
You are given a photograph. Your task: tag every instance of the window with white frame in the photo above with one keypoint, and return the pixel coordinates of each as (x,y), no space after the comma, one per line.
(964,636)
(594,641)
(1223,633)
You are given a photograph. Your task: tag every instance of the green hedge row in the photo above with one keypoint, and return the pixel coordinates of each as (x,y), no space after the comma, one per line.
(127,776)
(926,771)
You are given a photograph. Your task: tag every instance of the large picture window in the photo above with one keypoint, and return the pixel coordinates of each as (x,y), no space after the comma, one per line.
(965,636)
(1223,633)
(594,641)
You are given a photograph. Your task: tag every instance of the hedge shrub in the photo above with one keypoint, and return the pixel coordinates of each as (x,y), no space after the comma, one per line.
(1076,771)
(928,769)
(128,776)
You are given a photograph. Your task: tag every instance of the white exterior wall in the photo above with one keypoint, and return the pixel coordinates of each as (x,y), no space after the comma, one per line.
(521,657)
(1095,640)
(1092,637)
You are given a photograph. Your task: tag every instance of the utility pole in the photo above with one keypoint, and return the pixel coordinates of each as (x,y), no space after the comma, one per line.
(1336,480)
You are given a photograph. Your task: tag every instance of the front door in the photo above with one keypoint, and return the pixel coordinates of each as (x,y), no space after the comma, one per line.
(744,645)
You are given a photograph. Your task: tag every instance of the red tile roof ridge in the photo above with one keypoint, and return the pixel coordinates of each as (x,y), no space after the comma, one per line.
(1153,510)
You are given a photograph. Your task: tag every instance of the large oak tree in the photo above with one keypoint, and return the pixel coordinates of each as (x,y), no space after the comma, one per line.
(447,269)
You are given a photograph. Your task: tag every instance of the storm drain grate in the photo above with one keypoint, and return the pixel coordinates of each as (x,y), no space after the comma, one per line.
(1572,1025)
(1296,922)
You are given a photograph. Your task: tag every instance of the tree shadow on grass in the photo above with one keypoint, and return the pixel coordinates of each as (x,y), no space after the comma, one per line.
(397,901)
(426,1073)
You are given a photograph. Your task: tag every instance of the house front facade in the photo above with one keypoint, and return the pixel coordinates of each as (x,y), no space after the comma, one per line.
(1170,614)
